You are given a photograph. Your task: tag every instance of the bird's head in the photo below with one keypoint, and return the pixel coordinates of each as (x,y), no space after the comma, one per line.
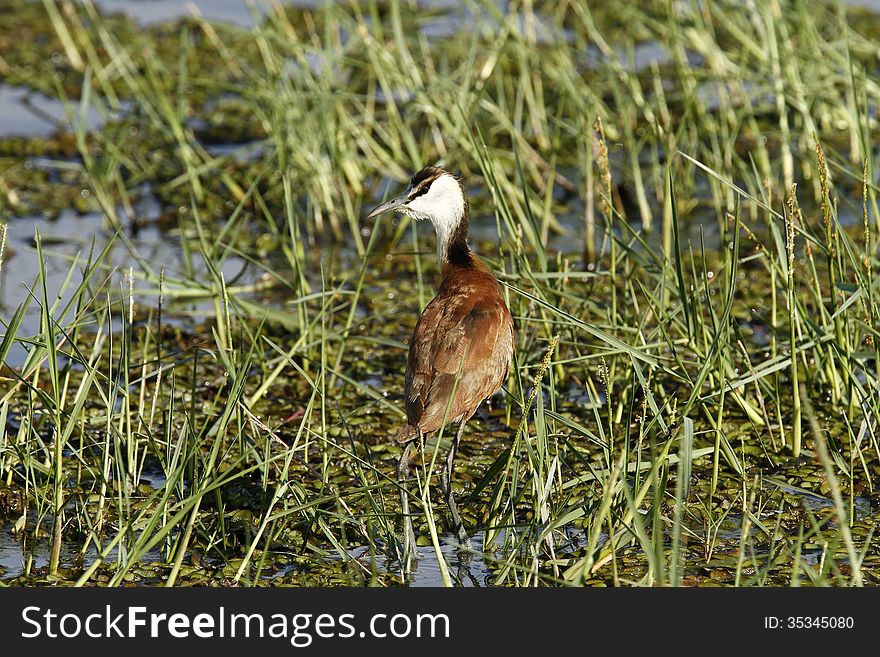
(436,195)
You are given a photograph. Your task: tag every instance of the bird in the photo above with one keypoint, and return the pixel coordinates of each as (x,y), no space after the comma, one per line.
(461,348)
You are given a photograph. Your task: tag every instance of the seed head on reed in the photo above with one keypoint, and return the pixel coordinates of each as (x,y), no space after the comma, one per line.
(793,213)
(603,166)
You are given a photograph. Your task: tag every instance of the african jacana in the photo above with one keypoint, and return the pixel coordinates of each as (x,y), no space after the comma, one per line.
(462,344)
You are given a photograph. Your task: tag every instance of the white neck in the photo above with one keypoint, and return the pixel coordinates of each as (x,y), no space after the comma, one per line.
(443,206)
(444,226)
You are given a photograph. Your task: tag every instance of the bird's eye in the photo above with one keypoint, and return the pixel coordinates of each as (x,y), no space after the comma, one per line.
(420,191)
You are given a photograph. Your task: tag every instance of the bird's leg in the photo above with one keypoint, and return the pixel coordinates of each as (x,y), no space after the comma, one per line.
(409,535)
(447,489)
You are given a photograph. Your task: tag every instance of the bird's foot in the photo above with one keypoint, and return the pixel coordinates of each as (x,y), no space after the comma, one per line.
(409,555)
(464,541)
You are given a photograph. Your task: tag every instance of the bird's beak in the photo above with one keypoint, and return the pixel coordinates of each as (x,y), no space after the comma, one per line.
(388,206)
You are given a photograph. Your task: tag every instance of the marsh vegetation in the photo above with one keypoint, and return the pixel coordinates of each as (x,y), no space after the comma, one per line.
(203,341)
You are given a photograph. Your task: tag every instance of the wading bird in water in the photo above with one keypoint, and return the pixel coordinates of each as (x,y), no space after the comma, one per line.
(462,344)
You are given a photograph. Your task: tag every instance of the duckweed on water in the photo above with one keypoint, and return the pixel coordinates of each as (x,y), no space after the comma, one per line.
(220,412)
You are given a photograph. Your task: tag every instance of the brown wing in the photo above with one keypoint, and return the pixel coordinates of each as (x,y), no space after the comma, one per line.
(462,343)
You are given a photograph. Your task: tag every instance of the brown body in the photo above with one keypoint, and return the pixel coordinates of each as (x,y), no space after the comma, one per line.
(462,344)
(460,350)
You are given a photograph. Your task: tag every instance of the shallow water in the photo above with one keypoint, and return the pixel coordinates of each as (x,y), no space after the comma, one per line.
(235,12)
(28,113)
(147,12)
(71,237)
(466,569)
(14,555)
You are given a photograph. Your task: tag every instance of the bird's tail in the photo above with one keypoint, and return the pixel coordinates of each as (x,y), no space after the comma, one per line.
(407,433)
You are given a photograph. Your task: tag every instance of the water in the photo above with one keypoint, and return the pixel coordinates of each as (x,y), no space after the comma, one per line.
(28,113)
(69,239)
(236,12)
(147,12)
(13,560)
(24,112)
(14,555)
(465,569)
